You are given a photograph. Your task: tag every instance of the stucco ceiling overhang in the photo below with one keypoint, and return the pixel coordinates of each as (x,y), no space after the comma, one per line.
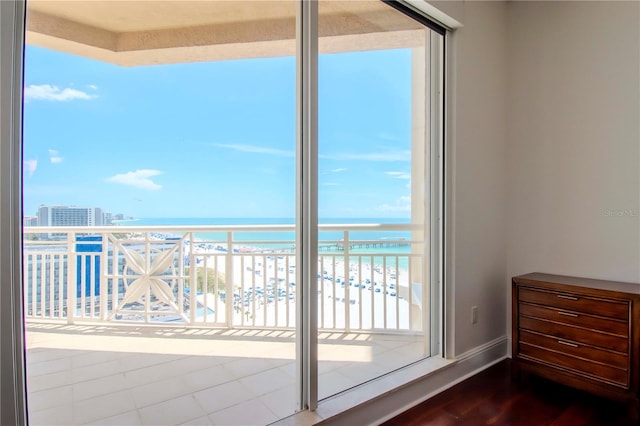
(146,32)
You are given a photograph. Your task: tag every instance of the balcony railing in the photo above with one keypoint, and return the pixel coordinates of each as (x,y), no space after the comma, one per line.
(225,276)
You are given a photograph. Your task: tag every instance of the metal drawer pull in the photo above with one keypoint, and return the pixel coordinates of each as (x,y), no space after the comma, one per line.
(562,296)
(568,314)
(573,345)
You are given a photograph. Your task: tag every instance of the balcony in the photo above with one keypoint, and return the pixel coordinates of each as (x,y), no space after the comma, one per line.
(172,325)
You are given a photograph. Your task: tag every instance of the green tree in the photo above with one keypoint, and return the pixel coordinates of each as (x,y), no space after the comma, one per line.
(213,277)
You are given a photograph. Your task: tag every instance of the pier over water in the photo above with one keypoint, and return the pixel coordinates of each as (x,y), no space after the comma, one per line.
(339,246)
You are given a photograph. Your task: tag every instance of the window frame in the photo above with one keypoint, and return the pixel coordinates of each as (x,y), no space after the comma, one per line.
(13,396)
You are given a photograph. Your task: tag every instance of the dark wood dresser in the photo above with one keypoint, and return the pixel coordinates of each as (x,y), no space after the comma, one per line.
(582,332)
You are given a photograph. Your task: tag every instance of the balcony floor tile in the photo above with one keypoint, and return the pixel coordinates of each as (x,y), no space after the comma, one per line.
(51,397)
(61,415)
(98,387)
(130,418)
(147,376)
(208,377)
(220,397)
(157,392)
(102,407)
(282,402)
(252,412)
(267,381)
(172,412)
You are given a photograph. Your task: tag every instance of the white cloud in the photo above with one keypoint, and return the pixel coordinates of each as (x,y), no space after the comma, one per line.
(402,204)
(383,156)
(48,92)
(254,149)
(140,179)
(388,137)
(399,175)
(269,171)
(30,166)
(93,86)
(386,156)
(338,170)
(54,157)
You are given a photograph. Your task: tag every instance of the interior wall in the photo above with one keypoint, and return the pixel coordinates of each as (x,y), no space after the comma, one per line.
(477,170)
(573,139)
(544,154)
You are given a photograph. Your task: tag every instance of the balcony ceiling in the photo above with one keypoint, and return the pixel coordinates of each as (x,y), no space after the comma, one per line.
(146,32)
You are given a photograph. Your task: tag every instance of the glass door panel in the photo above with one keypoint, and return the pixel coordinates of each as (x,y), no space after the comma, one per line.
(373,193)
(159,147)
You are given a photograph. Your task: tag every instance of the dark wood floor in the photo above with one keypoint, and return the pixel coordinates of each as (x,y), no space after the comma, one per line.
(492,398)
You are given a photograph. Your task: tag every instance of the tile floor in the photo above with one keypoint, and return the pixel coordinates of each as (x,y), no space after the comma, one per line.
(106,375)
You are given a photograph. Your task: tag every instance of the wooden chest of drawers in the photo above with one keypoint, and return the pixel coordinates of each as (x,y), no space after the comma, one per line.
(582,332)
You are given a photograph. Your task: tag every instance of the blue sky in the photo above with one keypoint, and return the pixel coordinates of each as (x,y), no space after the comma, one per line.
(214,139)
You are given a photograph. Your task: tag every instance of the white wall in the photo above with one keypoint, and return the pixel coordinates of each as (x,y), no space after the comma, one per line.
(544,152)
(478,166)
(573,139)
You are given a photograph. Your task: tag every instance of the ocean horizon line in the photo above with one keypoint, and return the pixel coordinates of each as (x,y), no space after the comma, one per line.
(276,237)
(256,218)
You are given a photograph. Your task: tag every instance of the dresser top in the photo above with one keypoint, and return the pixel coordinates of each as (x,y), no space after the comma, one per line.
(534,277)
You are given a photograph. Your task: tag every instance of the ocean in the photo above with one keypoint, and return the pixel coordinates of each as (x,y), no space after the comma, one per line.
(282,239)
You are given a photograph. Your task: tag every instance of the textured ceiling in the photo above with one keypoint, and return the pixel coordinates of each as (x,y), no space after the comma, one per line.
(150,31)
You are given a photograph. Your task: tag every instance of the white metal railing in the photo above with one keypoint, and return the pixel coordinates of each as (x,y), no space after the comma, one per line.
(224,276)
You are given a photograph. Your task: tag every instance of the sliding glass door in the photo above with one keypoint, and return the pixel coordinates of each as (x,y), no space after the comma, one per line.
(231,208)
(375,180)
(160,142)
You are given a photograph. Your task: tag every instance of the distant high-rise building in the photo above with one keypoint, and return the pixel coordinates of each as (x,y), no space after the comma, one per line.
(70,216)
(30,221)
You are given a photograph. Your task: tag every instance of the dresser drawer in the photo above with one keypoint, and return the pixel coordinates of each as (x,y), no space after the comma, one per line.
(588,368)
(564,316)
(615,359)
(576,302)
(575,334)
(581,332)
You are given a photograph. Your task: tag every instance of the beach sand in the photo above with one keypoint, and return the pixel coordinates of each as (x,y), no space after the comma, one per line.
(265,291)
